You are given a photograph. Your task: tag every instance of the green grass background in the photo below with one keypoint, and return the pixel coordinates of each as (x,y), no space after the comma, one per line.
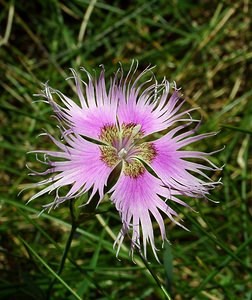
(205,46)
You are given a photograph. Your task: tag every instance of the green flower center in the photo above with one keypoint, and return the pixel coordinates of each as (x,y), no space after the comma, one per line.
(122,145)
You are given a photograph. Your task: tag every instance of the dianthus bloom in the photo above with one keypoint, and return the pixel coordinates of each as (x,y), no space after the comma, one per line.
(133,127)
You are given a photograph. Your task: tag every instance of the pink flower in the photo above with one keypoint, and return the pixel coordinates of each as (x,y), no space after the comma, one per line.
(133,127)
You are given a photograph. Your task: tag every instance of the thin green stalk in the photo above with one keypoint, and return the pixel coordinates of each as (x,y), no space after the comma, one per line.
(31,250)
(66,249)
(222,265)
(244,130)
(167,296)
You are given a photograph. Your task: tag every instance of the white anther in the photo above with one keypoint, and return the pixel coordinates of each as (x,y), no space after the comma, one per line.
(122,153)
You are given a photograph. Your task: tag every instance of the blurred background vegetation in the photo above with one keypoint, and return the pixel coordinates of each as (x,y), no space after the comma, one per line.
(206,47)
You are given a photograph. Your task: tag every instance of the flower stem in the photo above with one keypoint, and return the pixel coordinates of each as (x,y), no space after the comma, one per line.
(66,249)
(167,296)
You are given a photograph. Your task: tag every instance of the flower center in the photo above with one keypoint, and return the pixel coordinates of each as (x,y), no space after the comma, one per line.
(121,146)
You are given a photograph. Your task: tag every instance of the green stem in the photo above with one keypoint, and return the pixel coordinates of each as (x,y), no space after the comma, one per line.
(66,249)
(167,296)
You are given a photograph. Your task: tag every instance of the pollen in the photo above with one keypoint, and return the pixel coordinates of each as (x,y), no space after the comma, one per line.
(134,168)
(109,156)
(109,133)
(147,152)
(130,129)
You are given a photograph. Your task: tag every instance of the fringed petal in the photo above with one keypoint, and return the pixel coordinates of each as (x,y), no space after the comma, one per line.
(79,166)
(137,199)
